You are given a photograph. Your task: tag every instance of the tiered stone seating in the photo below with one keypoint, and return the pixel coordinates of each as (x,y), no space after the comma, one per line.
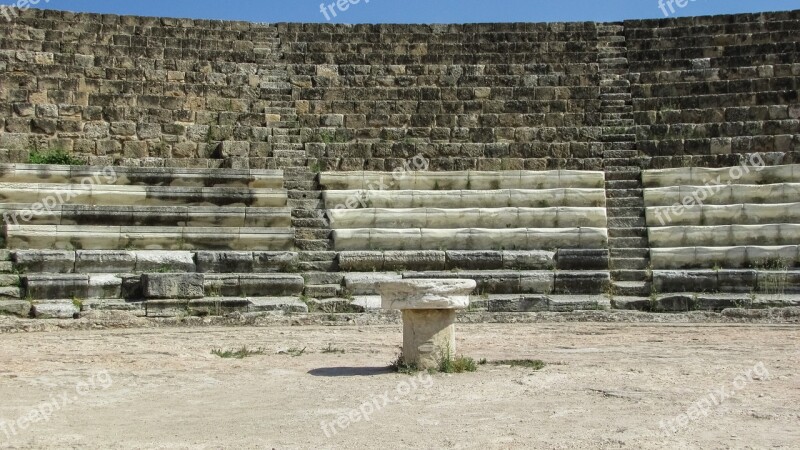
(730,230)
(472,97)
(507,230)
(103,237)
(711,89)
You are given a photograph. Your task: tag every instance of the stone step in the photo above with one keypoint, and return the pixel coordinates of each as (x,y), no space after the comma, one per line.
(634,173)
(728,281)
(627,232)
(618,138)
(624,193)
(738,257)
(151,238)
(628,242)
(629,274)
(216,306)
(323,290)
(191,216)
(725,235)
(458,199)
(620,154)
(721,215)
(625,222)
(541,303)
(110,195)
(623,184)
(469,238)
(630,253)
(630,263)
(495,282)
(741,194)
(377,261)
(150,176)
(699,176)
(631,288)
(462,180)
(625,212)
(618,122)
(621,146)
(626,202)
(496,218)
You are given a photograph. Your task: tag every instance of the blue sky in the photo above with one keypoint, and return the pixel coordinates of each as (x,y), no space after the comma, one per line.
(416,11)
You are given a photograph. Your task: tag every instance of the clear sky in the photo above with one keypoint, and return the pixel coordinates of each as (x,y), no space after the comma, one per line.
(417,11)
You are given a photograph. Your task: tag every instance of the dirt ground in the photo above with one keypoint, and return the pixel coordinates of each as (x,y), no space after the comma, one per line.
(604,386)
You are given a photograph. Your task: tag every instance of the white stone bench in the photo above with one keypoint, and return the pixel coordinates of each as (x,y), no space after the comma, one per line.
(468,218)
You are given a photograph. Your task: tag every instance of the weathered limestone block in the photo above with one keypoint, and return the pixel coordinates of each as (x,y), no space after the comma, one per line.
(520,304)
(44,261)
(322,291)
(576,303)
(474,260)
(105,261)
(270,262)
(173,261)
(361,261)
(367,283)
(104,286)
(55,286)
(725,235)
(166,307)
(698,176)
(516,198)
(217,306)
(55,309)
(224,262)
(418,260)
(736,281)
(582,259)
(172,285)
(285,304)
(581,282)
(266,285)
(426,294)
(528,260)
(685,281)
(19,308)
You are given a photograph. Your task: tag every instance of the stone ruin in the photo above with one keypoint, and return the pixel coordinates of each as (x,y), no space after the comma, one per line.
(231,166)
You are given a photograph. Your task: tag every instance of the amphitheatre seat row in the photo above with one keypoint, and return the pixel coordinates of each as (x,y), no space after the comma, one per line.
(744,222)
(507,230)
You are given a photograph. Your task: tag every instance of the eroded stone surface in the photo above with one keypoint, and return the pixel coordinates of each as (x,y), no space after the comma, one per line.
(426,294)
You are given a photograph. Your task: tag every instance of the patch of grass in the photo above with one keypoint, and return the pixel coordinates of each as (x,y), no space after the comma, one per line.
(242,353)
(461,364)
(78,303)
(57,156)
(331,349)
(534,364)
(400,365)
(295,352)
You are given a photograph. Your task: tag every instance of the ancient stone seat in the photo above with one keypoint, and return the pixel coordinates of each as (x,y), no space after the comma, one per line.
(155,241)
(730,230)
(513,232)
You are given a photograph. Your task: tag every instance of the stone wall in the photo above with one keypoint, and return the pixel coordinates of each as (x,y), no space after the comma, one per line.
(198,93)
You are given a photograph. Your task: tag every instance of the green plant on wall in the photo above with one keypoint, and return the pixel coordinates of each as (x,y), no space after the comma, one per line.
(57,156)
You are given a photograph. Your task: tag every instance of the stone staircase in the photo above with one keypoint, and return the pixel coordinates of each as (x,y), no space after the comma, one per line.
(626,224)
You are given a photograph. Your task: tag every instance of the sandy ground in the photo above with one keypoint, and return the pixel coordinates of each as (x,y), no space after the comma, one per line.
(604,386)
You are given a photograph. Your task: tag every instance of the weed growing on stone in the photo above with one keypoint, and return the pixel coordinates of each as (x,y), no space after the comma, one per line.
(242,353)
(295,352)
(400,365)
(57,156)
